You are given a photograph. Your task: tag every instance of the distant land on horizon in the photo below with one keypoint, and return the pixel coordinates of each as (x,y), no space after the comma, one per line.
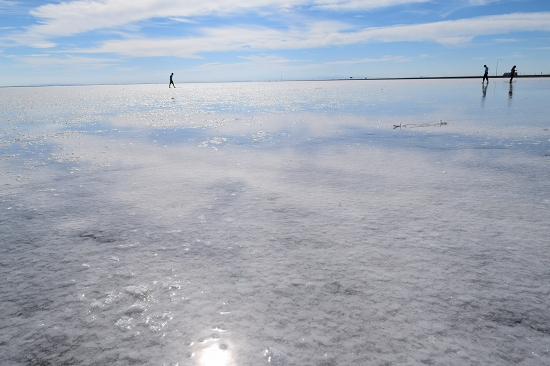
(277,80)
(504,76)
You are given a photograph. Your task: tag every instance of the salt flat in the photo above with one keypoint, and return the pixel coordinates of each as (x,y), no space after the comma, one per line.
(291,223)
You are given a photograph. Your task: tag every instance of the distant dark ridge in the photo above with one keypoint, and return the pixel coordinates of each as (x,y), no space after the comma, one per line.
(452,77)
(254,81)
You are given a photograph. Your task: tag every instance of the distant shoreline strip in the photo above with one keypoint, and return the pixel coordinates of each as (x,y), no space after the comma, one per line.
(267,81)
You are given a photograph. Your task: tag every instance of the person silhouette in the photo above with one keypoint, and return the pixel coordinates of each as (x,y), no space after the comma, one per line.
(512,73)
(171,81)
(486,75)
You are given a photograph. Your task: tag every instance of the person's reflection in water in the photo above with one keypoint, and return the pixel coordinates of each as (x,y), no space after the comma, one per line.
(510,94)
(483,94)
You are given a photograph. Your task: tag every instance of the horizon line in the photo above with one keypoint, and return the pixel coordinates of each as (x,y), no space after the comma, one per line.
(351,78)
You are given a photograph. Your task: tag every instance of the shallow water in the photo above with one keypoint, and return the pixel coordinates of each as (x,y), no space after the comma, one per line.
(291,223)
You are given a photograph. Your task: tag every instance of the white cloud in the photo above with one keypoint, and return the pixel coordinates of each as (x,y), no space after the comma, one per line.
(507,40)
(370,60)
(43,60)
(268,59)
(229,39)
(7,6)
(256,67)
(482,2)
(456,5)
(43,44)
(346,5)
(324,34)
(69,18)
(460,31)
(181,20)
(514,55)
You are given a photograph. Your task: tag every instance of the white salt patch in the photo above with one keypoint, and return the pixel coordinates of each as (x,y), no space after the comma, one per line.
(134,308)
(140,291)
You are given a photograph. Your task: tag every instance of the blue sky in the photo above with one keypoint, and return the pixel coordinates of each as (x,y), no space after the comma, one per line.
(143,41)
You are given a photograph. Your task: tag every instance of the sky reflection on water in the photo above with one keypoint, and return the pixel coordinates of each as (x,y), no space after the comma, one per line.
(237,111)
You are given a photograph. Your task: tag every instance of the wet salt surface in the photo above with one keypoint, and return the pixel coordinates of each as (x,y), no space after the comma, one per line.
(294,223)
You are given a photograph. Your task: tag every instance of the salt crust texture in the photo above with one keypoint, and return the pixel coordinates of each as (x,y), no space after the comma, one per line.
(294,223)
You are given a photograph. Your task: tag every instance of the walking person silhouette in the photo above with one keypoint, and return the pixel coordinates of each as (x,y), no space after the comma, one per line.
(486,75)
(171,81)
(512,73)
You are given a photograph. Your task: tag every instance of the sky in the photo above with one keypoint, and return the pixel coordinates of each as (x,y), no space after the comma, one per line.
(47,42)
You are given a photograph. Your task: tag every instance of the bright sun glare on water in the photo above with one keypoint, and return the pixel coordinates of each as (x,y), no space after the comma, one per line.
(216,355)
